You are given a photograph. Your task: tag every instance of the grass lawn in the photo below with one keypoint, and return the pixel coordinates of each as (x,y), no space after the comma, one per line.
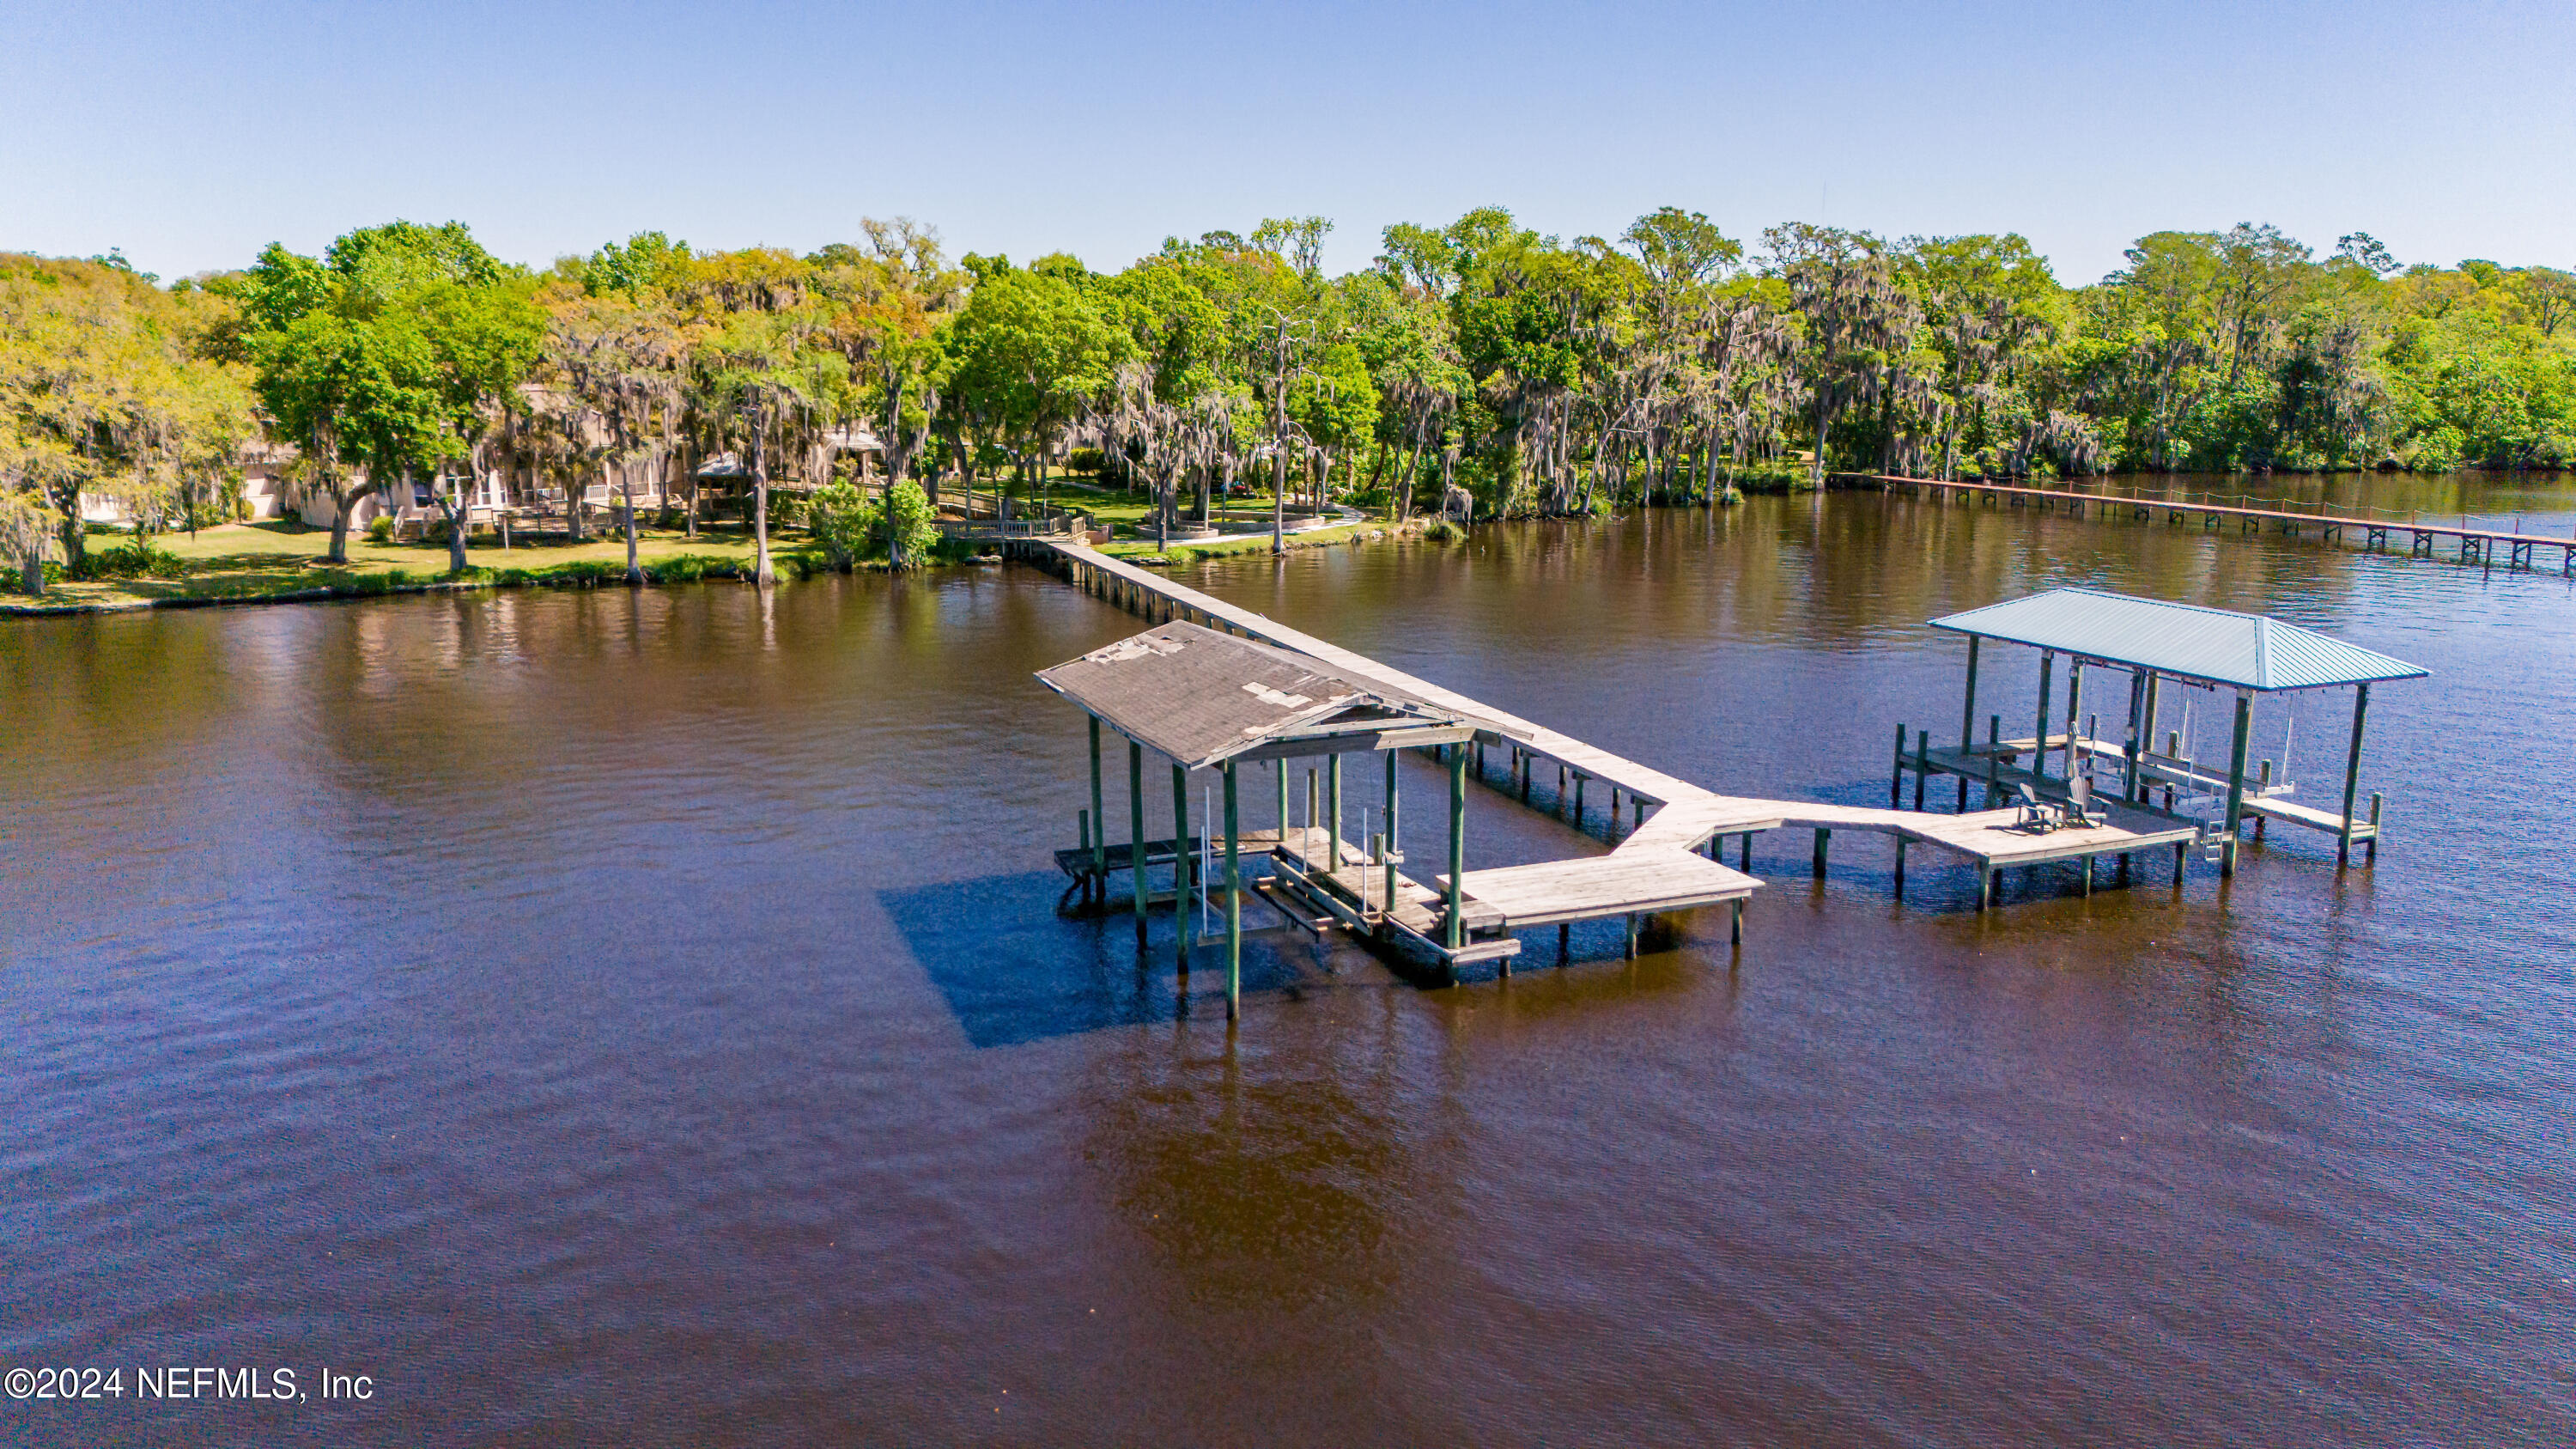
(248,560)
(255,560)
(1131,514)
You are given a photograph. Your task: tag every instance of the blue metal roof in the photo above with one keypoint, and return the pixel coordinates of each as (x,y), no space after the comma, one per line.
(2247,651)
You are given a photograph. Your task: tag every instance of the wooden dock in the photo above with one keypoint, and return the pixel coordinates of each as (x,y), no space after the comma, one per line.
(1997,767)
(2471,546)
(1667,858)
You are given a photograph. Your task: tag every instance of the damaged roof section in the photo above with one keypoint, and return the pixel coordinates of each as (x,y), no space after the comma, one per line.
(1202,698)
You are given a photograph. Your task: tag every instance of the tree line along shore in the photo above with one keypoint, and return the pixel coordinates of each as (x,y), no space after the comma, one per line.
(856,396)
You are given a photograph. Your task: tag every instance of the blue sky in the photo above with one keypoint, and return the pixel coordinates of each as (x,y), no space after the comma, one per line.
(191,134)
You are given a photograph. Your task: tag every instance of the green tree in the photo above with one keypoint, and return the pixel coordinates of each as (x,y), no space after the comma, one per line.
(388,358)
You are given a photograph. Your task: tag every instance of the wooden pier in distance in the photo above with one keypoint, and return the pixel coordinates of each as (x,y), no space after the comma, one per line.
(2472,546)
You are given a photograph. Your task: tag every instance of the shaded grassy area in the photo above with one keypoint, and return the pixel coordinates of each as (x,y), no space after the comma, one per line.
(256,560)
(280,560)
(1130,514)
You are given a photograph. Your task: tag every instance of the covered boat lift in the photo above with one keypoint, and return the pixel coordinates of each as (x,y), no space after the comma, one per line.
(1212,701)
(1209,700)
(2156,642)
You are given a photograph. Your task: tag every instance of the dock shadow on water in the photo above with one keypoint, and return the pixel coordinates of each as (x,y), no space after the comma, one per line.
(1013,971)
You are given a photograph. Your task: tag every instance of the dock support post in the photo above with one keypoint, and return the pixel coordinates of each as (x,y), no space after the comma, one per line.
(2074,710)
(2370,855)
(1922,764)
(1744,854)
(1453,931)
(1394,841)
(1578,800)
(1968,719)
(2088,877)
(1735,924)
(2137,735)
(2039,747)
(1233,901)
(1314,813)
(1333,812)
(1184,862)
(2236,778)
(1900,867)
(2352,772)
(1994,758)
(1632,938)
(1636,814)
(1985,884)
(1136,831)
(1896,775)
(1564,935)
(1822,835)
(1100,822)
(1281,765)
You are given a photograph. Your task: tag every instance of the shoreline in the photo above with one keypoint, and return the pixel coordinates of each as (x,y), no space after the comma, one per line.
(791,568)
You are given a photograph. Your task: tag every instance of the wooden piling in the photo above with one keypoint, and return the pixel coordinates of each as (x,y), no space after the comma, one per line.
(2352,772)
(1822,835)
(1233,901)
(1100,818)
(1453,930)
(1394,822)
(1136,831)
(1968,718)
(2236,778)
(2074,711)
(1184,863)
(2039,755)
(1333,811)
(1994,758)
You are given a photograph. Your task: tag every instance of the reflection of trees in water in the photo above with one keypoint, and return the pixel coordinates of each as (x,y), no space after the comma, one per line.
(97,699)
(1267,1178)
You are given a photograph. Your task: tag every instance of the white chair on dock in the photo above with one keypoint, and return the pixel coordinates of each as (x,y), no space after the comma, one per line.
(2081,808)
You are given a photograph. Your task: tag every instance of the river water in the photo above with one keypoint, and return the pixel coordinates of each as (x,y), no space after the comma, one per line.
(644,1018)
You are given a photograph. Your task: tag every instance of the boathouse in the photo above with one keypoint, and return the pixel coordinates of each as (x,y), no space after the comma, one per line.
(2158,645)
(1207,700)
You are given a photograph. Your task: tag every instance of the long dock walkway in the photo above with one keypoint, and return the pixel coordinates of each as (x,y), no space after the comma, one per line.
(1685,818)
(2473,545)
